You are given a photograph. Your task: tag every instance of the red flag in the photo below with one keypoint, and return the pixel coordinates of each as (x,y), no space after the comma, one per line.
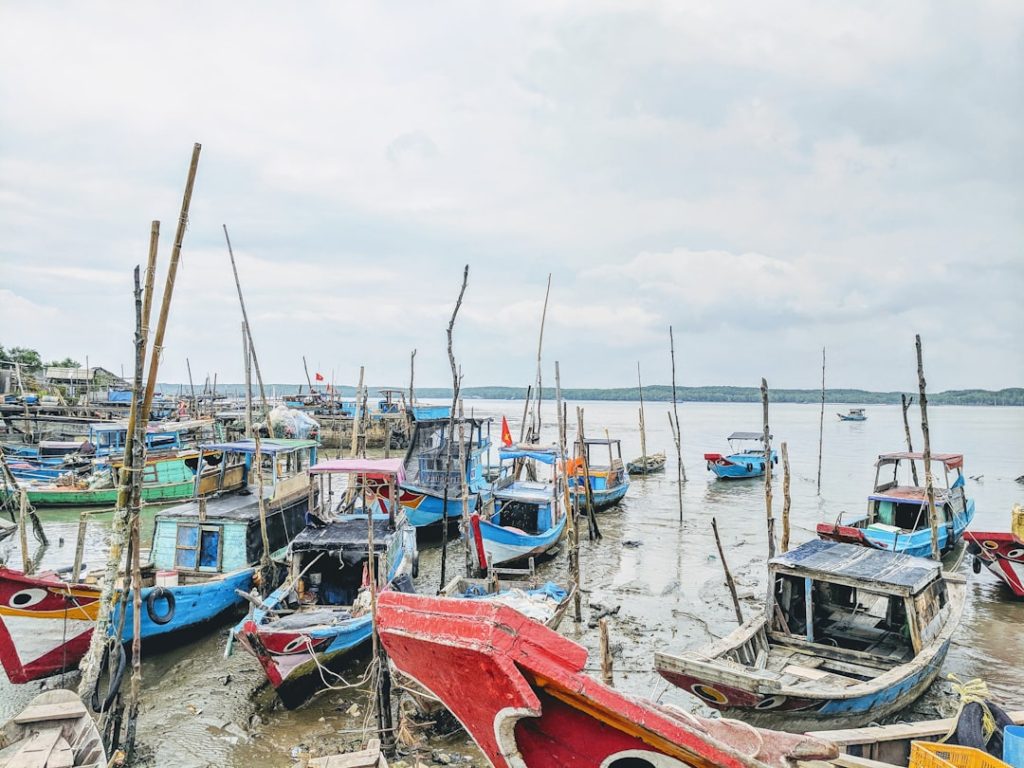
(319,377)
(506,433)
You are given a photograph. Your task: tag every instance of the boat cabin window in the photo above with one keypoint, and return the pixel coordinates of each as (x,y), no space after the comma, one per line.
(291,463)
(520,514)
(198,547)
(909,515)
(842,616)
(332,581)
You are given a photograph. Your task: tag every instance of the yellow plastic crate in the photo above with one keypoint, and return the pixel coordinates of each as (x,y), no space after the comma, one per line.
(927,754)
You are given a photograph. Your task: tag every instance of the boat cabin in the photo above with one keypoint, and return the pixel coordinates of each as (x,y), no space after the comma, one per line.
(530,506)
(841,596)
(900,499)
(604,462)
(427,462)
(109,438)
(747,443)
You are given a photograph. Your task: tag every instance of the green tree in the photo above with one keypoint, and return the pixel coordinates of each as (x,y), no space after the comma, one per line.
(67,362)
(27,357)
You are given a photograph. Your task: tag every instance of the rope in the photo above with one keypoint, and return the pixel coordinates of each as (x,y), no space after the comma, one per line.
(972,692)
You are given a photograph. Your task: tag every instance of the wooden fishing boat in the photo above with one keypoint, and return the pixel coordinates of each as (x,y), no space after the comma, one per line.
(746,460)
(849,635)
(521,518)
(323,613)
(520,691)
(203,552)
(53,731)
(854,414)
(608,482)
(898,517)
(647,465)
(1002,552)
(432,488)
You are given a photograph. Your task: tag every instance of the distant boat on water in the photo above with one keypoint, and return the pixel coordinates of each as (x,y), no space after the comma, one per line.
(854,414)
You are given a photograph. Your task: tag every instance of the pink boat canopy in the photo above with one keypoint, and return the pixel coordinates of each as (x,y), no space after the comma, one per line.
(375,469)
(951,460)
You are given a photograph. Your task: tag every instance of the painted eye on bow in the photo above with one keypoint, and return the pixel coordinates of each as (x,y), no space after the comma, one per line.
(299,643)
(1015,554)
(772,702)
(26,598)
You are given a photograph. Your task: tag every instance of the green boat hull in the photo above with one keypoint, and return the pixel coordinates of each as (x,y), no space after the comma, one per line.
(107,497)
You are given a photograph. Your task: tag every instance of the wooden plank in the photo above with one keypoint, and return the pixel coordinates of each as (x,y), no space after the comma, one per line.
(36,751)
(62,755)
(805,672)
(895,732)
(42,713)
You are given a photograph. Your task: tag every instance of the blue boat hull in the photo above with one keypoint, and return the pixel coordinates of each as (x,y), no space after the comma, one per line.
(194,604)
(603,498)
(503,545)
(919,543)
(739,466)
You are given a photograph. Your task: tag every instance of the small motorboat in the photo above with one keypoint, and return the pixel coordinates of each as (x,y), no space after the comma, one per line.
(647,465)
(854,414)
(747,458)
(1002,552)
(54,731)
(849,635)
(608,482)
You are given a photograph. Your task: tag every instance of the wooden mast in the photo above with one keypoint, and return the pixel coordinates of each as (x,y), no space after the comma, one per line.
(821,421)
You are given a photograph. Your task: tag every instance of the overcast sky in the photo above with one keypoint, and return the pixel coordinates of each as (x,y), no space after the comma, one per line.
(767,177)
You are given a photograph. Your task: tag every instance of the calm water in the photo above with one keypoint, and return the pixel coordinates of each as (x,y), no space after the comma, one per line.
(668,581)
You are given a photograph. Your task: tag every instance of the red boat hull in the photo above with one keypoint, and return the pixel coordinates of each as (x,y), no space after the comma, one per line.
(845,534)
(519,690)
(1002,553)
(45,624)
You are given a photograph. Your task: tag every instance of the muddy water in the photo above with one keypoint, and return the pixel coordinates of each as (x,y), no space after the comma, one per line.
(665,578)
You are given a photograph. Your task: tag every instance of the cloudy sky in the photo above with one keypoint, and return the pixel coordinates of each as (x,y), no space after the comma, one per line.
(766,177)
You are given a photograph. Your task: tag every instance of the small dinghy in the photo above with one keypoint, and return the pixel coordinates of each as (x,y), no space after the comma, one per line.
(647,465)
(53,731)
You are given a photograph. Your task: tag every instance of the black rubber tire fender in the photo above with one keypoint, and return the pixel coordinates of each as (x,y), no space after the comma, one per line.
(750,467)
(151,600)
(116,676)
(976,564)
(416,565)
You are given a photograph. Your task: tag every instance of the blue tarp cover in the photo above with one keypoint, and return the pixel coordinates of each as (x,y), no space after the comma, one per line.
(539,454)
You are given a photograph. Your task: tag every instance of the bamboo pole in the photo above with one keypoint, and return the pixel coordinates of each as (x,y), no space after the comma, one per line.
(247,358)
(357,418)
(540,344)
(643,427)
(607,676)
(768,471)
(728,574)
(929,484)
(192,388)
(119,532)
(305,368)
(905,403)
(466,536)
(786,501)
(456,387)
(248,327)
(595,533)
(572,519)
(821,422)
(677,430)
(26,562)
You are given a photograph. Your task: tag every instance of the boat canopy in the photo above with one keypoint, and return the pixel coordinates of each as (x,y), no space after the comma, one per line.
(544,455)
(375,469)
(346,537)
(747,436)
(871,569)
(602,441)
(271,446)
(950,460)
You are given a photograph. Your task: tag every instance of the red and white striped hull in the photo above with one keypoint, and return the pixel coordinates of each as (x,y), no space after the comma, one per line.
(1002,553)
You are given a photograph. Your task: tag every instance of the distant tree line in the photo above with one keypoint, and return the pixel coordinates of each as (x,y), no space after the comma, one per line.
(31,359)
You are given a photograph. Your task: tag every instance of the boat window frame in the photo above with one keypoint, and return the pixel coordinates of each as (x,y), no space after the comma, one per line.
(198,548)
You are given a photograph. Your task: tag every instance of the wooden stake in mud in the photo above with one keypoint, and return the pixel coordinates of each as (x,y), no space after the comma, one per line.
(456,386)
(728,574)
(768,471)
(466,538)
(643,427)
(26,562)
(786,501)
(821,422)
(606,653)
(412,378)
(677,430)
(906,402)
(588,496)
(572,519)
(119,527)
(929,484)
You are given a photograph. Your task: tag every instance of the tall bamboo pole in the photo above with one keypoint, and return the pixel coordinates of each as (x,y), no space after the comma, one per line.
(905,403)
(821,421)
(248,327)
(119,531)
(572,519)
(677,429)
(643,427)
(786,501)
(247,363)
(192,389)
(728,574)
(305,368)
(357,420)
(588,498)
(768,471)
(540,344)
(456,387)
(933,517)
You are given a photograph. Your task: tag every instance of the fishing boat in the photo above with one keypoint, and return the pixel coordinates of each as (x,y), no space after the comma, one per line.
(521,692)
(202,552)
(647,465)
(323,613)
(521,518)
(432,488)
(608,483)
(898,518)
(848,636)
(1002,552)
(746,458)
(854,414)
(54,731)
